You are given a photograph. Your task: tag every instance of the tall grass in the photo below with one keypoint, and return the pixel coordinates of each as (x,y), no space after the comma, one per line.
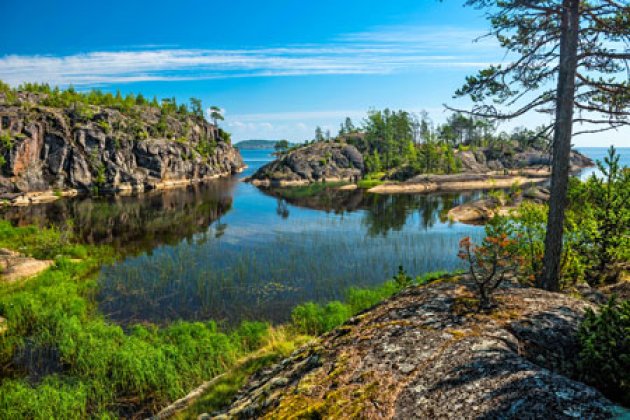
(60,359)
(317,318)
(264,275)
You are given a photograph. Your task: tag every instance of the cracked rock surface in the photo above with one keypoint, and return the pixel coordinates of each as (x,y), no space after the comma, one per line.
(427,353)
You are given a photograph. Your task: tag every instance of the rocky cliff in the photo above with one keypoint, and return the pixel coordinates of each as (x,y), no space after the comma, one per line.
(488,159)
(313,163)
(87,148)
(427,353)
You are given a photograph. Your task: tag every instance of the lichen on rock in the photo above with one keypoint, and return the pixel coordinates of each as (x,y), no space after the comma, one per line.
(415,356)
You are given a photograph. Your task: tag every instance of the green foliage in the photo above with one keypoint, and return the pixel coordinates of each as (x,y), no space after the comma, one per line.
(490,262)
(41,243)
(373,162)
(105,126)
(366,184)
(313,318)
(6,141)
(370,180)
(205,148)
(388,133)
(596,244)
(281,146)
(402,279)
(604,359)
(216,115)
(162,125)
(225,136)
(82,101)
(9,94)
(603,208)
(98,369)
(196,108)
(528,227)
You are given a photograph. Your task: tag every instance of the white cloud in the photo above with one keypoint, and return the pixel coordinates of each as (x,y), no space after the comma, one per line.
(383,51)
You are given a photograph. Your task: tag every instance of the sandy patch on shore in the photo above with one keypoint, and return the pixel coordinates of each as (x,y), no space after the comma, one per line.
(455,185)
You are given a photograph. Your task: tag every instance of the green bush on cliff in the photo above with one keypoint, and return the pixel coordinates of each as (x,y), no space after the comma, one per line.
(82,101)
(605,350)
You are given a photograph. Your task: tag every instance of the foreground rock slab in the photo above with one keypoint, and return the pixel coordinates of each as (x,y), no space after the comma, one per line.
(15,266)
(426,353)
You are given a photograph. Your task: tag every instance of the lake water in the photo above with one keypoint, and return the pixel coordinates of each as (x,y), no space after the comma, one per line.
(229,251)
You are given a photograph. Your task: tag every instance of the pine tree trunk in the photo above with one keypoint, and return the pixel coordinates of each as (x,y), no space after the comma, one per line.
(561,144)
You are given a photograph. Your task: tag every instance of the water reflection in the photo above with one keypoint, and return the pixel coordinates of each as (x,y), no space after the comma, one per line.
(382,213)
(135,224)
(227,251)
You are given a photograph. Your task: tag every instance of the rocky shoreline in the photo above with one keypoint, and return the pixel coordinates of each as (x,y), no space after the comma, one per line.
(49,152)
(318,162)
(455,182)
(480,170)
(49,196)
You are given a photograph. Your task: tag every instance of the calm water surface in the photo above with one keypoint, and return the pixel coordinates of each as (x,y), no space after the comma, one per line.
(229,251)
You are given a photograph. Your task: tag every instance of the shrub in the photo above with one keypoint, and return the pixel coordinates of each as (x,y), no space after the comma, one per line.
(104,125)
(604,359)
(401,278)
(6,140)
(490,262)
(602,203)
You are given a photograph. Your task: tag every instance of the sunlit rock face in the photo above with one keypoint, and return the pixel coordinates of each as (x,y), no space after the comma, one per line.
(314,163)
(64,149)
(428,353)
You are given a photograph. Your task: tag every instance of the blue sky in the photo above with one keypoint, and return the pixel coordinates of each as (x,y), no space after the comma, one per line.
(277,68)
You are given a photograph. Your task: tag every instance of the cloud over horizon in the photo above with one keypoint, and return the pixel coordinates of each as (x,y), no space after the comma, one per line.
(383,51)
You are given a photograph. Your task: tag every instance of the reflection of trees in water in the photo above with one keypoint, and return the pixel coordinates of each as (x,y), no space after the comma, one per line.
(391,212)
(383,212)
(328,200)
(135,224)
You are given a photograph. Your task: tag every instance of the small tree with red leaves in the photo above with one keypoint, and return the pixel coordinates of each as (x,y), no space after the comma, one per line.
(490,262)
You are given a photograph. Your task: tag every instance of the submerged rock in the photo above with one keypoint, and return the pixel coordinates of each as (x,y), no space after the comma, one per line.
(427,353)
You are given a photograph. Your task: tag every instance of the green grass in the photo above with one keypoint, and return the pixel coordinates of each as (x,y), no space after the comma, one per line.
(371,180)
(60,358)
(40,243)
(281,342)
(316,318)
(366,184)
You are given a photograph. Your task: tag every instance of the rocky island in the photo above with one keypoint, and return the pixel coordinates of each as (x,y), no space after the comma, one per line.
(319,162)
(385,156)
(53,147)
